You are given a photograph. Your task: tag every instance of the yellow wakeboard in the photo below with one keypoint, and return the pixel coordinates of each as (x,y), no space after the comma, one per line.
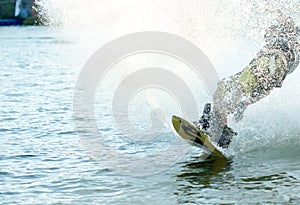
(195,136)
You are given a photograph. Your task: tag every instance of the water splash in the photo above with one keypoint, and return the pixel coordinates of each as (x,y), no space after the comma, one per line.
(222,28)
(220,18)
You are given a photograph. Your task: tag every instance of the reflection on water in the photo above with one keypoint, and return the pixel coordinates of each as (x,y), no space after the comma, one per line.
(197,175)
(242,180)
(203,172)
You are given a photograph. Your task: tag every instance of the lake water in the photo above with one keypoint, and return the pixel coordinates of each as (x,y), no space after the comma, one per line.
(42,160)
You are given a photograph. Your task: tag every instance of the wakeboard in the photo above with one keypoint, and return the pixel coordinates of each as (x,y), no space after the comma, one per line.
(195,136)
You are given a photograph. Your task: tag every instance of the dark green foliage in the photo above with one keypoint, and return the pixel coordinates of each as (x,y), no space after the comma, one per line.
(7,9)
